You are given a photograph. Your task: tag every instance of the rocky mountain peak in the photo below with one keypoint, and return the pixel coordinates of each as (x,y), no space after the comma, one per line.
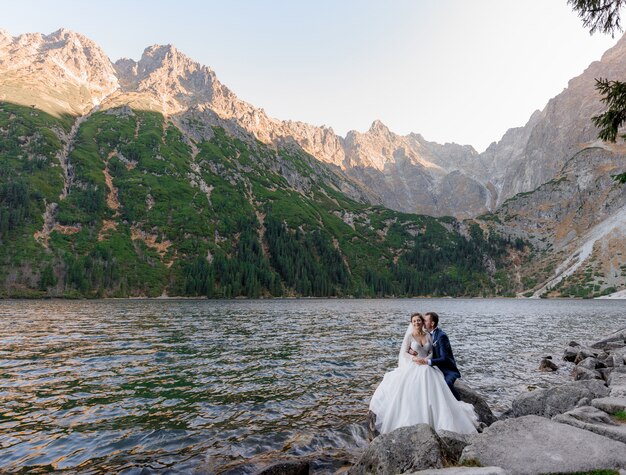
(378,128)
(174,80)
(65,71)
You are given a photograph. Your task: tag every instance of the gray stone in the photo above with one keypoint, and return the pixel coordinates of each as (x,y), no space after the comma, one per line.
(591,363)
(619,357)
(452,445)
(547,365)
(580,373)
(372,432)
(610,405)
(534,445)
(594,420)
(605,373)
(299,467)
(405,449)
(585,353)
(559,399)
(463,471)
(603,356)
(481,407)
(583,402)
(570,353)
(617,382)
(573,343)
(616,337)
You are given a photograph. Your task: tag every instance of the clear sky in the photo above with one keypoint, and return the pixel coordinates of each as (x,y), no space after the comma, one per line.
(460,71)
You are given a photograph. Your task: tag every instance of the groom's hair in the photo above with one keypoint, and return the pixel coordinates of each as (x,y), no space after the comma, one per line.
(434,317)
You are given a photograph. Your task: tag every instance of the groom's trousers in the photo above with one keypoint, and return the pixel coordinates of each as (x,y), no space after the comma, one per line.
(450,379)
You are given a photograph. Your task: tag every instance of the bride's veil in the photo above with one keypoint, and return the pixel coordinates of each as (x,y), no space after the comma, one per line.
(404,348)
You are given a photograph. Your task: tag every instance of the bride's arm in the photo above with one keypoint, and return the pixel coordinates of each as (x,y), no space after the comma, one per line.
(406,346)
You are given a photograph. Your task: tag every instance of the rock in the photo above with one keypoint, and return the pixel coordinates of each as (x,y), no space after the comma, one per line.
(462,471)
(300,467)
(591,363)
(452,445)
(534,445)
(573,343)
(372,432)
(594,420)
(557,400)
(580,373)
(585,353)
(603,356)
(605,373)
(617,382)
(583,402)
(480,405)
(616,337)
(547,365)
(619,357)
(570,354)
(405,449)
(610,405)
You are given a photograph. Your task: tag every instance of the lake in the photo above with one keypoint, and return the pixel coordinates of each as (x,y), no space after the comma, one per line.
(184,386)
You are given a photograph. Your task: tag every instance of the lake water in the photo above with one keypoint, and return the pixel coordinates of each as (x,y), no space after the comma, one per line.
(184,386)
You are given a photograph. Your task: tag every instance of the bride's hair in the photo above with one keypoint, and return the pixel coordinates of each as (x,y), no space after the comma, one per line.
(421,331)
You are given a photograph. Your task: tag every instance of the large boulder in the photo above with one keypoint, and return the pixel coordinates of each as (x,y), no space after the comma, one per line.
(534,445)
(557,400)
(610,405)
(405,449)
(594,420)
(480,405)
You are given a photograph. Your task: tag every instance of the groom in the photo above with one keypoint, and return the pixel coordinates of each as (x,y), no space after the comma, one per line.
(442,353)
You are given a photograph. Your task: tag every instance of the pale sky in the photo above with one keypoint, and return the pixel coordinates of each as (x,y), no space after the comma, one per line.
(459,71)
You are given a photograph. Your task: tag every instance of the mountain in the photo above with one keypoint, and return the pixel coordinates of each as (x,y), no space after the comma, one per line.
(83,138)
(529,156)
(151,178)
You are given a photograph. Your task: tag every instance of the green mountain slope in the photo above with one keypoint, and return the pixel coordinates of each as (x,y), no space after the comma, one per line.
(123,203)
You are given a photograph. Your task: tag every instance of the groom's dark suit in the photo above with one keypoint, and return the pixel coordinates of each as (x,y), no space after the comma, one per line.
(444,359)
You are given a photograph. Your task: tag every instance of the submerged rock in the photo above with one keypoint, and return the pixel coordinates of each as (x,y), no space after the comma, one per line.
(547,365)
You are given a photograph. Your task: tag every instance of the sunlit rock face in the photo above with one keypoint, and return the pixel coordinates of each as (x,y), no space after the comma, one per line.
(65,72)
(61,73)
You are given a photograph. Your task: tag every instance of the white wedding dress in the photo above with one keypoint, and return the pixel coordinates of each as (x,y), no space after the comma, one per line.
(413,394)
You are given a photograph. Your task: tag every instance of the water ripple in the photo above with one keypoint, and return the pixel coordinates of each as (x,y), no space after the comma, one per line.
(182,386)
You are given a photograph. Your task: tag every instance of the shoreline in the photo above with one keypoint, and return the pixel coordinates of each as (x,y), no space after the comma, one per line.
(619,295)
(577,426)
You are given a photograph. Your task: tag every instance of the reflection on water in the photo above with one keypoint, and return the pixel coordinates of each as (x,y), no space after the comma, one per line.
(190,385)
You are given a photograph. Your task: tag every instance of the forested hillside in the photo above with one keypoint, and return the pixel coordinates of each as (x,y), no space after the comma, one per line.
(122,203)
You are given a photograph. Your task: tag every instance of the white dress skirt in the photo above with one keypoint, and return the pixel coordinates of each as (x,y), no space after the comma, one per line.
(414,394)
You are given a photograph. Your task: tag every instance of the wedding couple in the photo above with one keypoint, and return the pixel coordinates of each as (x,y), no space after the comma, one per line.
(421,388)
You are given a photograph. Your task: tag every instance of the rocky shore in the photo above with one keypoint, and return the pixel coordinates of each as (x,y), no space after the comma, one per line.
(579,426)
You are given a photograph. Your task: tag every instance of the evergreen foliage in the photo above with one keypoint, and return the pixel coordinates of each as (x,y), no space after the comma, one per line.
(233,220)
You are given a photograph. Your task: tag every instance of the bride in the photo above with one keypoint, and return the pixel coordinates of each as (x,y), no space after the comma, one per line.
(413,393)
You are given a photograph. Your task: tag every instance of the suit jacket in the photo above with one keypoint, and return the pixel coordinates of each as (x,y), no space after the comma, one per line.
(443,357)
